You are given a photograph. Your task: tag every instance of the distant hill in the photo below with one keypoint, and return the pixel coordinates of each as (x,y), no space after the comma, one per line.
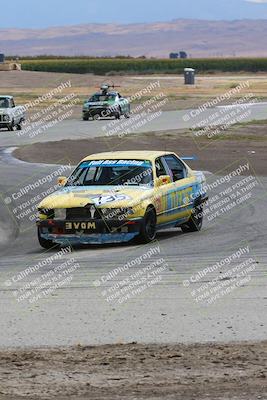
(198,37)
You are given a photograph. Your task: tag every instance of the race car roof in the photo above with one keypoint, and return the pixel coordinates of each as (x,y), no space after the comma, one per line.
(128,155)
(5,97)
(101,93)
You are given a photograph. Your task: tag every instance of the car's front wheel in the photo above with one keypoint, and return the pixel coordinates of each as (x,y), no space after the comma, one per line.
(19,125)
(148,229)
(46,244)
(11,126)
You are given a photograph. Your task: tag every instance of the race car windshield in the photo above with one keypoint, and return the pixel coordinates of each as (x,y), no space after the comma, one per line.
(4,103)
(102,97)
(112,172)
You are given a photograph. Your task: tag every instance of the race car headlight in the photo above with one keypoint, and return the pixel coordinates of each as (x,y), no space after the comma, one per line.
(57,213)
(45,213)
(6,118)
(60,213)
(117,213)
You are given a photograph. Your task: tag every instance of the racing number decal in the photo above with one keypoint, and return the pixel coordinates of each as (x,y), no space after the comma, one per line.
(173,200)
(179,198)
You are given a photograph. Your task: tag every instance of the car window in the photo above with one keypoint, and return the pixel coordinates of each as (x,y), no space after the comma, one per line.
(113,172)
(160,169)
(4,103)
(176,167)
(102,97)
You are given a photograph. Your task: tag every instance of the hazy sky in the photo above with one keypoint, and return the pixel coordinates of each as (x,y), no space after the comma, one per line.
(43,13)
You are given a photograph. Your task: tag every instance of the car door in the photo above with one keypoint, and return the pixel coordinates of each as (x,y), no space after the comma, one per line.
(13,111)
(161,195)
(179,202)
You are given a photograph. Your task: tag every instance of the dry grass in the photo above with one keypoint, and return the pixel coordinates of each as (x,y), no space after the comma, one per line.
(26,86)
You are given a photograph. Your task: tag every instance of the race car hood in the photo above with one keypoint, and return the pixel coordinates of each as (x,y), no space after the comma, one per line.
(105,197)
(4,111)
(10,111)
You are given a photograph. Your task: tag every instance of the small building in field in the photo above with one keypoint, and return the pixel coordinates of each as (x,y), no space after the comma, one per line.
(8,65)
(180,54)
(174,56)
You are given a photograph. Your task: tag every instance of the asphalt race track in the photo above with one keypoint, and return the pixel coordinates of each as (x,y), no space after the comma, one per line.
(168,311)
(167,120)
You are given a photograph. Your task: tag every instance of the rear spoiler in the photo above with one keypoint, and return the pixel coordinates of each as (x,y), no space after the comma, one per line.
(187,158)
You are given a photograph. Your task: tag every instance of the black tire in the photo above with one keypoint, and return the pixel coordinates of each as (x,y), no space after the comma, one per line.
(148,229)
(19,128)
(118,114)
(127,115)
(85,118)
(195,222)
(46,244)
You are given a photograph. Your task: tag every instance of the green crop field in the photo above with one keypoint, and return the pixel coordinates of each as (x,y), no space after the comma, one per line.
(102,66)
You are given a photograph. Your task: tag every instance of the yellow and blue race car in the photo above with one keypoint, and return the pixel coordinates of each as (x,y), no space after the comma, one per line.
(118,196)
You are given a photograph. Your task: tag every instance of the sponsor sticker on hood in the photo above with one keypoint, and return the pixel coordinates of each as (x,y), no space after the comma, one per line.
(105,198)
(109,198)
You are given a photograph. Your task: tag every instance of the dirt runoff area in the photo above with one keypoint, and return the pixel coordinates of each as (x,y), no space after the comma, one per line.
(26,86)
(136,371)
(242,143)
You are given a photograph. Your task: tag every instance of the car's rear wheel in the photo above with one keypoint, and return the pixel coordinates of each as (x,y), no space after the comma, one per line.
(85,118)
(148,229)
(196,220)
(46,244)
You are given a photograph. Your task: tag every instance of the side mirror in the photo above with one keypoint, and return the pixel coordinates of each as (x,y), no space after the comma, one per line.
(62,180)
(163,180)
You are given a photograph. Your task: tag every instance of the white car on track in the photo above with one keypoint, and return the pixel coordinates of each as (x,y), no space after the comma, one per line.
(11,116)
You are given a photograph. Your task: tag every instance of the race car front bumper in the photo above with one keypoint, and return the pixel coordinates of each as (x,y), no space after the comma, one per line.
(5,124)
(101,111)
(89,232)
